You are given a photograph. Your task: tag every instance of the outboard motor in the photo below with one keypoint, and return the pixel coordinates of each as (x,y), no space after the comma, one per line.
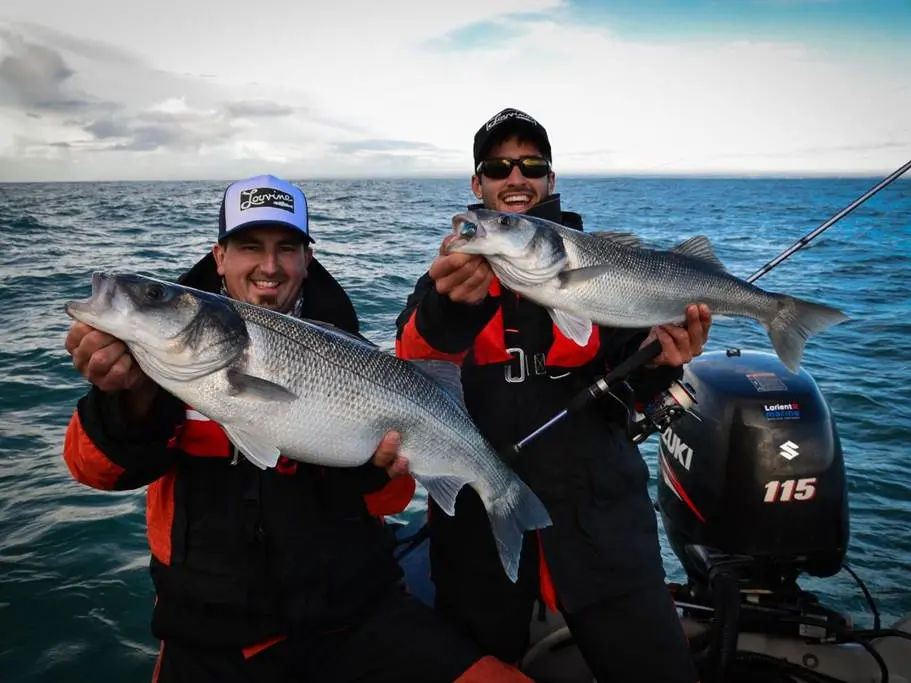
(757,471)
(752,493)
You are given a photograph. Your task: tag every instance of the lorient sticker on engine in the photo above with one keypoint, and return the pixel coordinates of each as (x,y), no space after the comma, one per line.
(766,381)
(782,411)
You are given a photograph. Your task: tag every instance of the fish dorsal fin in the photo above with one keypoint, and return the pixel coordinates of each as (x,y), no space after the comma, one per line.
(626,239)
(446,374)
(701,248)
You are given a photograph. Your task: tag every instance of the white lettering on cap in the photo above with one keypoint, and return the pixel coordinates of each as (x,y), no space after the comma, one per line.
(500,118)
(259,197)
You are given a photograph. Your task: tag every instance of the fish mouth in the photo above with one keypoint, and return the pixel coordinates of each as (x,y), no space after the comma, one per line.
(461,219)
(88,310)
(464,229)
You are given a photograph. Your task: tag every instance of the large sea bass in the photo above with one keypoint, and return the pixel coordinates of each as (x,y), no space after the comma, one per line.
(610,278)
(310,392)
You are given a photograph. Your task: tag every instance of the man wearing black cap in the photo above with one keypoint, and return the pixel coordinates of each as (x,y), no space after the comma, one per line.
(276,575)
(599,563)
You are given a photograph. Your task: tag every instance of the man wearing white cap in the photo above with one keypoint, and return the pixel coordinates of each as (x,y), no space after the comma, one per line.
(279,575)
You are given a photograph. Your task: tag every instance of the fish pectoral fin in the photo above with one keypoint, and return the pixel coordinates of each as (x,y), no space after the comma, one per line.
(701,248)
(626,239)
(579,276)
(443,488)
(576,327)
(257,387)
(445,373)
(262,454)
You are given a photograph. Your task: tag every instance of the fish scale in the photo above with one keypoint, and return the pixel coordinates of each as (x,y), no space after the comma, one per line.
(648,286)
(332,371)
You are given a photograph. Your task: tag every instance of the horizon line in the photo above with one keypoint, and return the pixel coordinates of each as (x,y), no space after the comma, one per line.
(583,175)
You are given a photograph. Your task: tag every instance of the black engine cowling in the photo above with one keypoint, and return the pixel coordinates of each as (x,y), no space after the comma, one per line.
(759,474)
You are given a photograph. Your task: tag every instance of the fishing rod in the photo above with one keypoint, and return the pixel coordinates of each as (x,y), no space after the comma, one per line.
(647,353)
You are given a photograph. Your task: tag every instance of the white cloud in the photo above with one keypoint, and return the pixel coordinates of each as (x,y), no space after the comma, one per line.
(257,108)
(206,89)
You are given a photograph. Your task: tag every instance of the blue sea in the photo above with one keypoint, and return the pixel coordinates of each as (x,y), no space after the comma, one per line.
(75,596)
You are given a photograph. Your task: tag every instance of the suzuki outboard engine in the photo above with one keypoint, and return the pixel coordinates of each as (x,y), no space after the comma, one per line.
(752,494)
(756,470)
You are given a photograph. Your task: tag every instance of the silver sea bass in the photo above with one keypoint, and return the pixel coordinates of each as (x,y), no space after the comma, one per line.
(611,279)
(308,391)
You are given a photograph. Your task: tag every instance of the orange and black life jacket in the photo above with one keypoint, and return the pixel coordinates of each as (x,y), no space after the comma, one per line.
(240,553)
(518,371)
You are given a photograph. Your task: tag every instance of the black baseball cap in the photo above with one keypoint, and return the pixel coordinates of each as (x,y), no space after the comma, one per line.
(502,125)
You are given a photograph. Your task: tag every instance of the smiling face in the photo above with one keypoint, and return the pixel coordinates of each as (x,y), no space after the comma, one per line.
(265,266)
(515,192)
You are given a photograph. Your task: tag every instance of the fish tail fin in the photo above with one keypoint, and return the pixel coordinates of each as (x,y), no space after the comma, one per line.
(794,322)
(511,514)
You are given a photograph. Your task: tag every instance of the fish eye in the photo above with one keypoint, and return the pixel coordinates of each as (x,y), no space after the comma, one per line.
(154,291)
(503,220)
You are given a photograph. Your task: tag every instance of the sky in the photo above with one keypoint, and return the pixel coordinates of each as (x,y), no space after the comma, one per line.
(199,89)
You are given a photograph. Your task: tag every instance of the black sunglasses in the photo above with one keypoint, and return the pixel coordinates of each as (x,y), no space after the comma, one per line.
(500,167)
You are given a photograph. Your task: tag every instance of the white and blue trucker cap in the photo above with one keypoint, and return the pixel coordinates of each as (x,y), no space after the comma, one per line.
(263,200)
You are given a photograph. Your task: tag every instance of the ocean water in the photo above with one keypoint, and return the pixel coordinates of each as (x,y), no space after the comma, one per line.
(75,596)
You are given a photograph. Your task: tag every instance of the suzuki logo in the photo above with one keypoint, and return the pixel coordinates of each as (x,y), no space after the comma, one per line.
(678,449)
(789,450)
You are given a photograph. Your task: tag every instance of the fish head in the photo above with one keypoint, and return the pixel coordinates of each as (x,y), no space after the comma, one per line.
(174,332)
(490,233)
(528,248)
